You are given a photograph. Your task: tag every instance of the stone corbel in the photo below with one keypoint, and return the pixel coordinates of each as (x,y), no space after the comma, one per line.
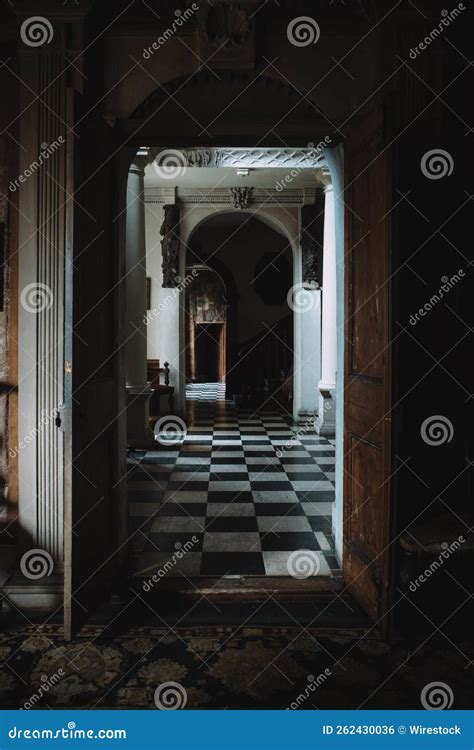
(312,233)
(241,197)
(170,246)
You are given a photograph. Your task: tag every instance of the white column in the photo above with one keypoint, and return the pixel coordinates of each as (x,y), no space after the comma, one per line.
(307,312)
(138,390)
(326,421)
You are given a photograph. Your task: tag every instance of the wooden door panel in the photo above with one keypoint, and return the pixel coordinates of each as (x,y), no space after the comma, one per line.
(366,504)
(367,397)
(360,402)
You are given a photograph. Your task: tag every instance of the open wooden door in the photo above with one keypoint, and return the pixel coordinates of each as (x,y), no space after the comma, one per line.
(367,381)
(93,416)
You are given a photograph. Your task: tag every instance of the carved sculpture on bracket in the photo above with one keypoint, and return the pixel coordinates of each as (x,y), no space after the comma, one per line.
(312,235)
(241,197)
(170,246)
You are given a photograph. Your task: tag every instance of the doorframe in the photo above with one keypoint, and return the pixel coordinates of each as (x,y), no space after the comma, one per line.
(335,161)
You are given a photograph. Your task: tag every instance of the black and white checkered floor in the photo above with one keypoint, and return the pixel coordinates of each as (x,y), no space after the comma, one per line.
(243,494)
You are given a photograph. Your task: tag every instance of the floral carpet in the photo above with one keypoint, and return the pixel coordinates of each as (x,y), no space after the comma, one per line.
(221,668)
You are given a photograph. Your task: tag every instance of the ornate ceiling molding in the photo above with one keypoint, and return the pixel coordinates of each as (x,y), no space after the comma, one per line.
(248,158)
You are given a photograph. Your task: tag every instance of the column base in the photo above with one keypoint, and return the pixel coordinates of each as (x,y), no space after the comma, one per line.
(306,419)
(139,434)
(325,424)
(43,596)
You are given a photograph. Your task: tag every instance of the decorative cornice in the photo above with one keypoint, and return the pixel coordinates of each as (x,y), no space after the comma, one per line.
(223,197)
(250,158)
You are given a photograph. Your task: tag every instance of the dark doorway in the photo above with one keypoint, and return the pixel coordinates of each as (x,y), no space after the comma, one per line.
(208,352)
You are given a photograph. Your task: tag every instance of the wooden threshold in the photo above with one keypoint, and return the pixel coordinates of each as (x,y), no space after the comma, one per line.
(250,588)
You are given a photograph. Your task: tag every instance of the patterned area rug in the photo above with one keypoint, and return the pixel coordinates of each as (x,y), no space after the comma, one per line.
(221,668)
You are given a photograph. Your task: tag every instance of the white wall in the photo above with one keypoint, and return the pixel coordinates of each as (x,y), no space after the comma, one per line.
(166,328)
(335,159)
(153,220)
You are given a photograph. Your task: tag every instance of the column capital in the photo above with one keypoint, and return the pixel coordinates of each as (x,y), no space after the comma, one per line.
(138,165)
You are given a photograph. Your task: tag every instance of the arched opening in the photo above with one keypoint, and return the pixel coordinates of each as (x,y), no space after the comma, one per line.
(254,338)
(206,331)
